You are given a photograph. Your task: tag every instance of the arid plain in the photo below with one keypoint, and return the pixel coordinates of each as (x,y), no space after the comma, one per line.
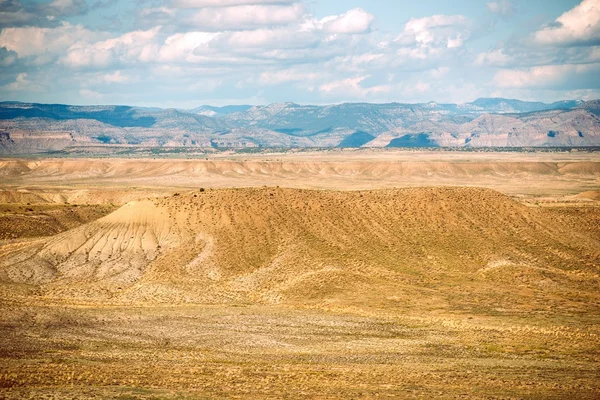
(325,274)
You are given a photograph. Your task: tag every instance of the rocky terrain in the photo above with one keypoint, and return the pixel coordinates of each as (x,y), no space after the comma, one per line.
(40,128)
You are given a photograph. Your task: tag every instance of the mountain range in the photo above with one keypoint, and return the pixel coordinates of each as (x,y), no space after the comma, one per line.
(27,128)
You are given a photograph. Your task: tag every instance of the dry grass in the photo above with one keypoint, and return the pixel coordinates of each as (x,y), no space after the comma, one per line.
(277,352)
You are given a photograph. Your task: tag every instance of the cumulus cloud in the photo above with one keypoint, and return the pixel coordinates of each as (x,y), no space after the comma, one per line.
(271,38)
(182,46)
(578,26)
(264,46)
(243,17)
(136,46)
(432,37)
(424,43)
(449,30)
(356,20)
(43,45)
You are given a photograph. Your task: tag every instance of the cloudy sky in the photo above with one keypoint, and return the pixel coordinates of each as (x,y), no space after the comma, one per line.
(184,53)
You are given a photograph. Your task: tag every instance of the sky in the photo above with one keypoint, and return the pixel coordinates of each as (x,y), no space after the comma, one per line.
(187,53)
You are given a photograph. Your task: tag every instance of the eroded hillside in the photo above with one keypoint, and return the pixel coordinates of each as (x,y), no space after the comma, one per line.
(424,247)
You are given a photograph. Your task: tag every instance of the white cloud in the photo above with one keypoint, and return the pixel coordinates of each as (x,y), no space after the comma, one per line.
(117,77)
(546,95)
(431,37)
(352,87)
(244,16)
(359,62)
(439,73)
(279,38)
(293,43)
(494,58)
(354,21)
(224,3)
(422,87)
(21,83)
(277,47)
(450,30)
(568,76)
(182,46)
(131,47)
(578,26)
(157,10)
(289,75)
(35,41)
(501,7)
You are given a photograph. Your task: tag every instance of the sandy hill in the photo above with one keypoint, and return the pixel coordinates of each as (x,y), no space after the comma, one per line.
(431,248)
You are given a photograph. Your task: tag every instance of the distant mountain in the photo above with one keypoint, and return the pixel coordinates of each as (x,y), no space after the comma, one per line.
(592,106)
(356,139)
(37,128)
(211,111)
(121,116)
(500,105)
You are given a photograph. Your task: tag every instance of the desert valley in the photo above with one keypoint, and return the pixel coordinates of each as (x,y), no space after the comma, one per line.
(329,274)
(299,199)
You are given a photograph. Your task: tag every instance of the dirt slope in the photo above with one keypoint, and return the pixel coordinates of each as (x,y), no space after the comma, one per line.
(424,247)
(590,195)
(83,196)
(31,220)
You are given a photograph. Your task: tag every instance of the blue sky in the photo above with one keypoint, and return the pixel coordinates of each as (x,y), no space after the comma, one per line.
(185,53)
